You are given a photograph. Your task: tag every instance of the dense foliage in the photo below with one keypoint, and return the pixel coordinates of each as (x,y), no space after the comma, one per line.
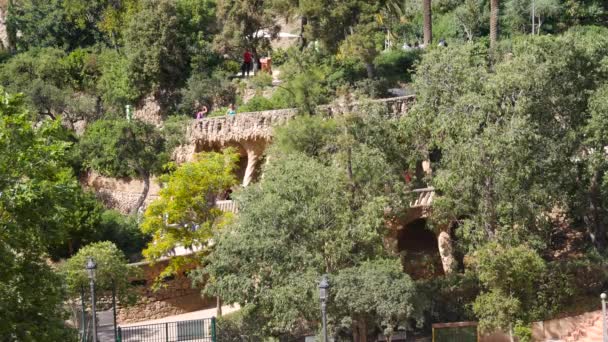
(511,116)
(37,190)
(184,215)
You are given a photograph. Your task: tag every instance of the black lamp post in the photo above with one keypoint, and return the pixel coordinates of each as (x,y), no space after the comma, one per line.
(91,267)
(324,295)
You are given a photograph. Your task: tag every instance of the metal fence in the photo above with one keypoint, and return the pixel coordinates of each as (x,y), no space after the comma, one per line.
(201,330)
(455,332)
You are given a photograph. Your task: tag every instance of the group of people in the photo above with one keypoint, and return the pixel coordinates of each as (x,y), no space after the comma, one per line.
(417,45)
(203,110)
(247,65)
(246,68)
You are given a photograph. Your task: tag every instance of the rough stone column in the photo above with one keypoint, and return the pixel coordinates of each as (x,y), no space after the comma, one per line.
(446,251)
(254,150)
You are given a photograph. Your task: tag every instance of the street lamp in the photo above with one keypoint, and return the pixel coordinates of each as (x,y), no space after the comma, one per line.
(91,268)
(604,332)
(324,295)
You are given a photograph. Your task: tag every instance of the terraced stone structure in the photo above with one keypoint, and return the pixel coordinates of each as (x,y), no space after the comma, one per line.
(250,133)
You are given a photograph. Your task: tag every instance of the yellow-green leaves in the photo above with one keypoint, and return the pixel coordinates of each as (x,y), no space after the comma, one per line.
(185,214)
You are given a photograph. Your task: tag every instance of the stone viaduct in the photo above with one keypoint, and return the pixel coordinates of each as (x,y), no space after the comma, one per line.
(250,134)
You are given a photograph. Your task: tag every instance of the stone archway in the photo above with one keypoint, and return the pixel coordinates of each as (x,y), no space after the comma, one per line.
(419,250)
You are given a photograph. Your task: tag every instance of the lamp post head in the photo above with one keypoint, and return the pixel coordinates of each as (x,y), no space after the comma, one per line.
(91,267)
(603,296)
(324,288)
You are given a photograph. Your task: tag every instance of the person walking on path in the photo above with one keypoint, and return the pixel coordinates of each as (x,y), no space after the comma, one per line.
(247,63)
(231,110)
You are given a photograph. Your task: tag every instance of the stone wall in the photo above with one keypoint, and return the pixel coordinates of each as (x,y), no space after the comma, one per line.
(249,132)
(119,194)
(258,125)
(177,296)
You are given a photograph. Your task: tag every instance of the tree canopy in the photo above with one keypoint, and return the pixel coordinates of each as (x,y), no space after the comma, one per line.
(185,215)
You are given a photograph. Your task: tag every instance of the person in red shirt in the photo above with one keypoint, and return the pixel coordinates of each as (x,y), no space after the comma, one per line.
(247,63)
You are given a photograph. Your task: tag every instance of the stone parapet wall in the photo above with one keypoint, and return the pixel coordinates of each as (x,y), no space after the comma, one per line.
(258,125)
(251,131)
(176,296)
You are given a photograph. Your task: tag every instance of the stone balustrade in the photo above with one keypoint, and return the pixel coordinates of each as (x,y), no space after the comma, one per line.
(258,125)
(228,206)
(424,199)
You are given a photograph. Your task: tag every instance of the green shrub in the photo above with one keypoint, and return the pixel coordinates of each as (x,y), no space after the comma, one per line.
(257,103)
(523,332)
(174,131)
(239,326)
(372,88)
(204,90)
(220,111)
(261,80)
(279,56)
(396,65)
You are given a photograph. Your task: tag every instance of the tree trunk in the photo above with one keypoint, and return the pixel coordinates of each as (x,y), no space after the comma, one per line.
(219,307)
(594,221)
(356,336)
(428,22)
(371,71)
(303,22)
(493,22)
(142,198)
(362,330)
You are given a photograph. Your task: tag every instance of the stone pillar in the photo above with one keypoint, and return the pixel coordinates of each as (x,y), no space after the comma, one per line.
(446,251)
(254,150)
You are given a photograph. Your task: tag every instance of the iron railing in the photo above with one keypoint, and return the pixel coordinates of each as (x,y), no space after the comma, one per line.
(200,330)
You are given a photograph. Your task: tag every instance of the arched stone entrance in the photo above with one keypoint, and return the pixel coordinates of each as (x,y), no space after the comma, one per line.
(419,250)
(250,152)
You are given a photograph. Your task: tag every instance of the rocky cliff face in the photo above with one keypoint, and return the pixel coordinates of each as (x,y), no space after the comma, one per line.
(119,194)
(3,30)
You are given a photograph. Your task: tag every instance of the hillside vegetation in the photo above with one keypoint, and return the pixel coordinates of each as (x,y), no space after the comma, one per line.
(511,113)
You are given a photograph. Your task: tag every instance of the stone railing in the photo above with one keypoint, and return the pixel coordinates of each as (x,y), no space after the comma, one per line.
(258,125)
(228,206)
(424,199)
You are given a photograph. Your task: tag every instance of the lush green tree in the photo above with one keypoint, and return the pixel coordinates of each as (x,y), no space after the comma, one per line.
(246,25)
(42,76)
(510,277)
(43,23)
(37,186)
(118,148)
(112,270)
(213,92)
(470,17)
(290,229)
(377,292)
(114,84)
(502,139)
(319,209)
(156,49)
(185,215)
(365,44)
(518,14)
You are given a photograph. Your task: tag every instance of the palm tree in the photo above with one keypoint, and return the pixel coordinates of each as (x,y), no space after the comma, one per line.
(493,22)
(428,25)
